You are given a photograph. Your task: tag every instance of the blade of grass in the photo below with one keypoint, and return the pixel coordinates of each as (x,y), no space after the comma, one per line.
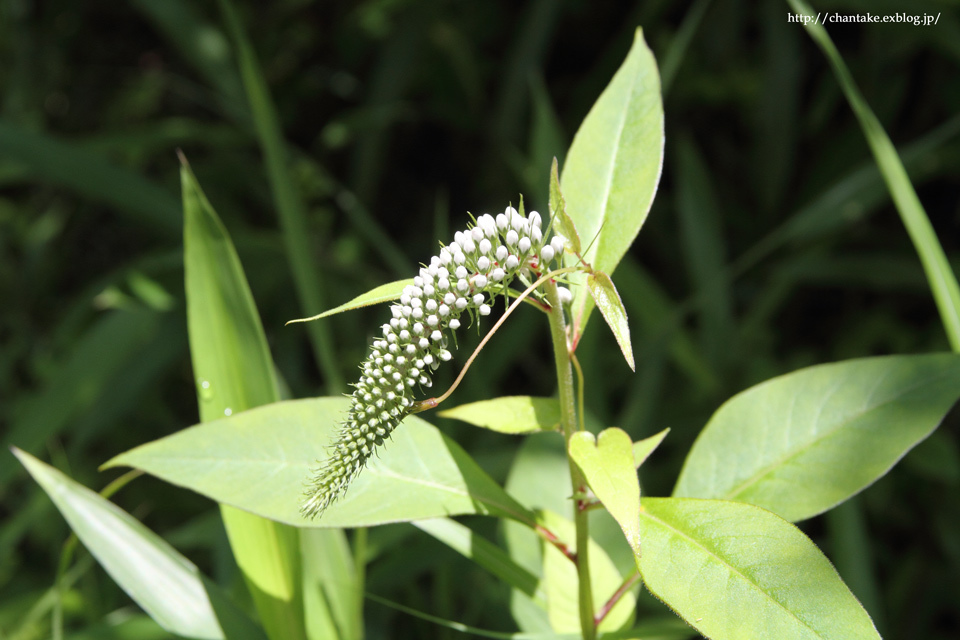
(680,43)
(59,163)
(306,271)
(943,283)
(234,372)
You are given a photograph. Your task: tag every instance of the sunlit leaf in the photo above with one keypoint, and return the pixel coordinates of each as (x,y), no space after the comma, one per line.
(737,572)
(383,293)
(608,301)
(802,443)
(510,414)
(643,448)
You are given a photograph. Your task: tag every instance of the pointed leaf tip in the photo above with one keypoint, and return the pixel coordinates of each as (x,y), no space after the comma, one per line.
(607,299)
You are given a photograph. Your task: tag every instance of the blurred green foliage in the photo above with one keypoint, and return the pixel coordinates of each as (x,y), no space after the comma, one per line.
(772,245)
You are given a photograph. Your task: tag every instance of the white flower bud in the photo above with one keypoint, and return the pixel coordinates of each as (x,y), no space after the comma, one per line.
(546,254)
(443,284)
(436,336)
(537,235)
(524,244)
(428,290)
(512,239)
(444,310)
(418,281)
(428,359)
(485,246)
(416,313)
(416,303)
(394,311)
(476,233)
(445,355)
(566,296)
(445,256)
(480,281)
(417,328)
(557,243)
(405,298)
(460,258)
(394,323)
(484,310)
(497,274)
(461,272)
(411,349)
(454,324)
(478,299)
(424,343)
(512,262)
(534,220)
(449,298)
(502,221)
(463,285)
(468,245)
(461,303)
(433,321)
(483,263)
(404,335)
(431,305)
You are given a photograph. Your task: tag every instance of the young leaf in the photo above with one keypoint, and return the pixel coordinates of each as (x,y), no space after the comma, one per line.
(643,448)
(510,414)
(558,212)
(258,460)
(608,465)
(737,572)
(168,586)
(804,442)
(608,301)
(613,167)
(383,293)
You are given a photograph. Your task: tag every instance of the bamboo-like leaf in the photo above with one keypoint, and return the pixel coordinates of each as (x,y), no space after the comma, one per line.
(234,372)
(940,275)
(613,167)
(509,414)
(737,572)
(383,293)
(607,299)
(804,442)
(168,586)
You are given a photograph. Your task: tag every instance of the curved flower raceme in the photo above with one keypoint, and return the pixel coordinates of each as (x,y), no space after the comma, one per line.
(480,263)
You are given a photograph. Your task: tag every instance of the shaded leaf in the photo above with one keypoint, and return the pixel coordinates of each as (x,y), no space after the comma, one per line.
(383,293)
(509,414)
(613,166)
(802,443)
(608,301)
(258,461)
(169,587)
(737,572)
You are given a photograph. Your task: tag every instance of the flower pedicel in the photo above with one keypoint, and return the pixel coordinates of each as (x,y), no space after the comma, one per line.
(481,262)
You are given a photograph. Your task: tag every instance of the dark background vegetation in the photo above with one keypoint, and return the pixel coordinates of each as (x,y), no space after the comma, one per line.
(401,116)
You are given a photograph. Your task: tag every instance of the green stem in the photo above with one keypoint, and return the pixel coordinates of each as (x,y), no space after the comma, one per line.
(568,414)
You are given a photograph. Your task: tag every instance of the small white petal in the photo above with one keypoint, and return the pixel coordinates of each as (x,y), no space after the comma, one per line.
(458,236)
(485,246)
(463,285)
(424,343)
(477,234)
(546,254)
(431,305)
(480,280)
(445,256)
(461,303)
(469,246)
(449,298)
(537,235)
(512,239)
(417,313)
(416,302)
(460,258)
(512,262)
(417,328)
(418,281)
(445,355)
(395,323)
(436,336)
(461,272)
(454,324)
(534,219)
(497,275)
(557,244)
(524,244)
(404,335)
(444,310)
(502,253)
(403,323)
(411,349)
(502,221)
(405,298)
(483,263)
(478,299)
(428,359)
(428,290)
(395,310)
(443,284)
(433,321)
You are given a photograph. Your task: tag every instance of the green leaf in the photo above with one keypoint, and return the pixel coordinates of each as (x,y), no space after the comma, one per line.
(611,307)
(608,466)
(509,414)
(486,554)
(329,586)
(804,442)
(383,293)
(234,372)
(942,280)
(258,461)
(558,211)
(613,167)
(643,448)
(305,267)
(737,572)
(562,584)
(166,585)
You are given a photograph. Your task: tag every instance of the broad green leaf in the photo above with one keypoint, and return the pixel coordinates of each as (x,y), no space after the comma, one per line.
(613,167)
(258,461)
(486,554)
(509,414)
(558,212)
(563,586)
(306,269)
(643,448)
(605,295)
(804,442)
(942,280)
(234,372)
(608,466)
(737,572)
(169,587)
(383,293)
